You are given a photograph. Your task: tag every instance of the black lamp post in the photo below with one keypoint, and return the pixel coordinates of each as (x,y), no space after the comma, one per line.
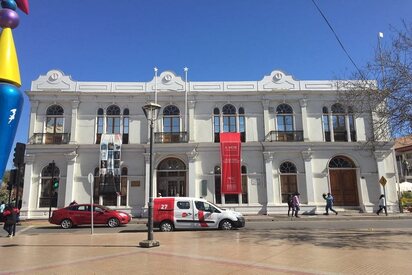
(151,111)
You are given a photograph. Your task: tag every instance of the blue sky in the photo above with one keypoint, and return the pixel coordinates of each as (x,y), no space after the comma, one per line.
(122,40)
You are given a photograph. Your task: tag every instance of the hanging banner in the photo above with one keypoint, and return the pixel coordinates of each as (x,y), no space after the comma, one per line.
(230,161)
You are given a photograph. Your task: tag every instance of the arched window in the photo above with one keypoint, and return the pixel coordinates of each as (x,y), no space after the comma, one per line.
(288,180)
(229,118)
(232,121)
(284,118)
(338,121)
(54,125)
(342,126)
(171,124)
(125,139)
(100,125)
(341,162)
(47,195)
(113,120)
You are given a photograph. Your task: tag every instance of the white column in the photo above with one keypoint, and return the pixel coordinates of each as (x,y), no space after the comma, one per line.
(270,190)
(332,135)
(191,105)
(147,175)
(348,128)
(27,200)
(380,156)
(266,128)
(33,114)
(303,103)
(75,106)
(71,160)
(310,188)
(193,187)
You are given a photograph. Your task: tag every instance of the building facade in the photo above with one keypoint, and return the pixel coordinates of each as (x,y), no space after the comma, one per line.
(295,137)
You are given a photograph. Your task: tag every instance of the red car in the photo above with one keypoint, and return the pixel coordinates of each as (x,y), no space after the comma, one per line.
(80,214)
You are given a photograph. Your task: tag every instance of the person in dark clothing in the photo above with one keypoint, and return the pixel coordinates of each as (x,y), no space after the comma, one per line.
(290,205)
(382,205)
(10,218)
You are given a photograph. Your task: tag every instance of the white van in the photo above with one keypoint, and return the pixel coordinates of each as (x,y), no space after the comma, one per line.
(188,213)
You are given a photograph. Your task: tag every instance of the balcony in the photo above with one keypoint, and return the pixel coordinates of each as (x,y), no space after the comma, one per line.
(284,136)
(50,138)
(178,137)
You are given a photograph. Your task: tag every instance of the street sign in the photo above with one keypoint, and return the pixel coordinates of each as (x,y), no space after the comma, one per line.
(383,181)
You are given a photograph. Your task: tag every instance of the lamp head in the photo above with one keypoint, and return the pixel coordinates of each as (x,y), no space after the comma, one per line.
(151,111)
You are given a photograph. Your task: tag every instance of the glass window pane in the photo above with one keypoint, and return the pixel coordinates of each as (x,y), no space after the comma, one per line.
(59,125)
(100,125)
(50,125)
(325,123)
(117,125)
(217,124)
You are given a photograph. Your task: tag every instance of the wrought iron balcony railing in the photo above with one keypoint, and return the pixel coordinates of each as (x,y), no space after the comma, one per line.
(284,136)
(177,137)
(50,138)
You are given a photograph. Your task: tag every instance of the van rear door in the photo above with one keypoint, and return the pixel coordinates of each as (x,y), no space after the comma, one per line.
(183,213)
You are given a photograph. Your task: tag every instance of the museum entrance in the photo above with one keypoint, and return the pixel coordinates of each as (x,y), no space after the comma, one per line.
(343,183)
(171,178)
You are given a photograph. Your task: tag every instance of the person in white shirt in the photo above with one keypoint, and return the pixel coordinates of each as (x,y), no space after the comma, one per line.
(382,205)
(2,207)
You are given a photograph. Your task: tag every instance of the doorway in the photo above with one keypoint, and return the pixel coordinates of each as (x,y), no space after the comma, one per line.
(171,178)
(343,182)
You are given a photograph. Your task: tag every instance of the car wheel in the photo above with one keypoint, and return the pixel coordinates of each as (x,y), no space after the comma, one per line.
(166,226)
(225,225)
(113,222)
(66,224)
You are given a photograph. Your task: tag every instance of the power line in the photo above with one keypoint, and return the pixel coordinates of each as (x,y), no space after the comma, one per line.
(337,37)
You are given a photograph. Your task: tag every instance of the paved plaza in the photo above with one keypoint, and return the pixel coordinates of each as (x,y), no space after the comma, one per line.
(275,251)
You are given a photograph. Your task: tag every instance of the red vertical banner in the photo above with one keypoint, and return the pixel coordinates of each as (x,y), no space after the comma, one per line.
(230,160)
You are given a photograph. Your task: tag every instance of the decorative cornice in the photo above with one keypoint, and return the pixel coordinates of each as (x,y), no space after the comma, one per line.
(268,156)
(29,159)
(303,102)
(71,157)
(307,155)
(192,155)
(380,155)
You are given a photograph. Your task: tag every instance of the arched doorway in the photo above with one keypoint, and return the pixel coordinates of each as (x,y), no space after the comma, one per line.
(171,178)
(343,183)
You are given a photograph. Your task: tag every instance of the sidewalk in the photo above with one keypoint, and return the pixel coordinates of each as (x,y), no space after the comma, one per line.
(277,217)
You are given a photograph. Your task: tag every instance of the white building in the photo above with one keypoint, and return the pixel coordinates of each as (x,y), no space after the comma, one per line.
(295,138)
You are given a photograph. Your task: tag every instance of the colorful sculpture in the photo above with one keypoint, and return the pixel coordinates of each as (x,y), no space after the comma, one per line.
(11,98)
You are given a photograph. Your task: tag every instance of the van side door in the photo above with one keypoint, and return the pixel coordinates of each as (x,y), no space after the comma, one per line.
(206,215)
(183,213)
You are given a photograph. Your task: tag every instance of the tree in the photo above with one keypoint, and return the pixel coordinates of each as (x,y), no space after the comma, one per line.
(383,89)
(4,193)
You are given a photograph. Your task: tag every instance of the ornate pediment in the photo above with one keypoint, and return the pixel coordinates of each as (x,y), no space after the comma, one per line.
(54,80)
(167,81)
(278,80)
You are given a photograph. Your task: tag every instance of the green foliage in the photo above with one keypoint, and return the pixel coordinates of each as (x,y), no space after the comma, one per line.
(407,194)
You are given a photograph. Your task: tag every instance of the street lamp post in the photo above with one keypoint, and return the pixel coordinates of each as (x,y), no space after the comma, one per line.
(151,111)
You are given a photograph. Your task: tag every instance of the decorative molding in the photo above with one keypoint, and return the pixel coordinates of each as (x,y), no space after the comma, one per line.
(380,155)
(29,159)
(71,157)
(268,156)
(54,80)
(75,104)
(303,102)
(307,155)
(192,155)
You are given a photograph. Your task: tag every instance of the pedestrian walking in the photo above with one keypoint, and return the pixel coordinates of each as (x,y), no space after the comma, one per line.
(296,204)
(290,205)
(329,203)
(2,207)
(382,205)
(10,218)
